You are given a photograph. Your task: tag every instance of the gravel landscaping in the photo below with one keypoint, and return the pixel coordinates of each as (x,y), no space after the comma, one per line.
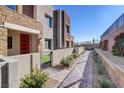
(51,83)
(101,78)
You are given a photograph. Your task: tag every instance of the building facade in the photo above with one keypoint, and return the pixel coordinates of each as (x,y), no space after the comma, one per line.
(62,35)
(19,30)
(44,15)
(111,37)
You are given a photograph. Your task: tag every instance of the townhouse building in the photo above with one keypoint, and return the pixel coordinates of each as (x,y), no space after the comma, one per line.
(44,15)
(113,37)
(62,34)
(19,31)
(19,43)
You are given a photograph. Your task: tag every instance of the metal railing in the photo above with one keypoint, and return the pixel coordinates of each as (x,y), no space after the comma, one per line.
(117,24)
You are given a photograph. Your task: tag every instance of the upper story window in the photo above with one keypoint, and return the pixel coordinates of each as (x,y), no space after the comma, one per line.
(13,7)
(28,10)
(48,21)
(67,28)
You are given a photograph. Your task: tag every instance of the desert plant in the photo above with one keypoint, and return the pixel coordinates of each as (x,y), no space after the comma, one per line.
(116,52)
(99,67)
(98,63)
(67,62)
(70,58)
(104,83)
(75,55)
(36,79)
(62,61)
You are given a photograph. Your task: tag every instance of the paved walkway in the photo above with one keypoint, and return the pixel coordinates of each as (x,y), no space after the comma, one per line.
(59,74)
(87,80)
(80,76)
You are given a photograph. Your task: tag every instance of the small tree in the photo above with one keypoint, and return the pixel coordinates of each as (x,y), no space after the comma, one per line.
(36,79)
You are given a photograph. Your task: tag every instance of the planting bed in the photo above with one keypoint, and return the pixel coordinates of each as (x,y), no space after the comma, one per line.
(101,78)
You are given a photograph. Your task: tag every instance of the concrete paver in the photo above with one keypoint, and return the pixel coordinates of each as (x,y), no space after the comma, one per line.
(75,77)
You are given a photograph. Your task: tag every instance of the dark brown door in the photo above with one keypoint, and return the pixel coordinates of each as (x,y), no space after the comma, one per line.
(106,45)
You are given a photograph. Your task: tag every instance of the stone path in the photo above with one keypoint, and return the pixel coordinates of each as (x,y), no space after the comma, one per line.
(75,78)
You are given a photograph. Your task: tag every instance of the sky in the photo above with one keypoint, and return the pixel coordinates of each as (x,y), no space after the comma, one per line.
(88,22)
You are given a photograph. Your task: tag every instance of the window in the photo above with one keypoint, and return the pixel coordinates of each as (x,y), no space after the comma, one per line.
(28,10)
(48,44)
(72,43)
(67,44)
(13,7)
(48,21)
(67,28)
(9,42)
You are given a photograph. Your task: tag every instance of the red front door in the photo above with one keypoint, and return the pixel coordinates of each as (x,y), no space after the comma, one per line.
(24,43)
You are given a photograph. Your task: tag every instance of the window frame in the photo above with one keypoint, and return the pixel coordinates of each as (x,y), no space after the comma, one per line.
(67,28)
(10,7)
(48,41)
(49,18)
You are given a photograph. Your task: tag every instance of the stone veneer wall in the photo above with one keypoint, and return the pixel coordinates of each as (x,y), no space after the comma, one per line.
(3,41)
(19,19)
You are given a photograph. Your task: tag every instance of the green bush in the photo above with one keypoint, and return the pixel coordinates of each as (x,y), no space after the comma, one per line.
(104,83)
(63,61)
(36,79)
(116,52)
(67,62)
(99,67)
(75,55)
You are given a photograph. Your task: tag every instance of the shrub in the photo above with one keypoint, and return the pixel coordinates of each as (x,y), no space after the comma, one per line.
(62,61)
(104,83)
(75,55)
(36,79)
(67,62)
(71,58)
(116,52)
(99,67)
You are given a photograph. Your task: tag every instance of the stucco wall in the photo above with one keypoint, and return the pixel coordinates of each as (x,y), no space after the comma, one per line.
(81,50)
(25,63)
(33,43)
(115,70)
(8,72)
(13,68)
(3,41)
(36,60)
(111,35)
(15,43)
(59,54)
(3,79)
